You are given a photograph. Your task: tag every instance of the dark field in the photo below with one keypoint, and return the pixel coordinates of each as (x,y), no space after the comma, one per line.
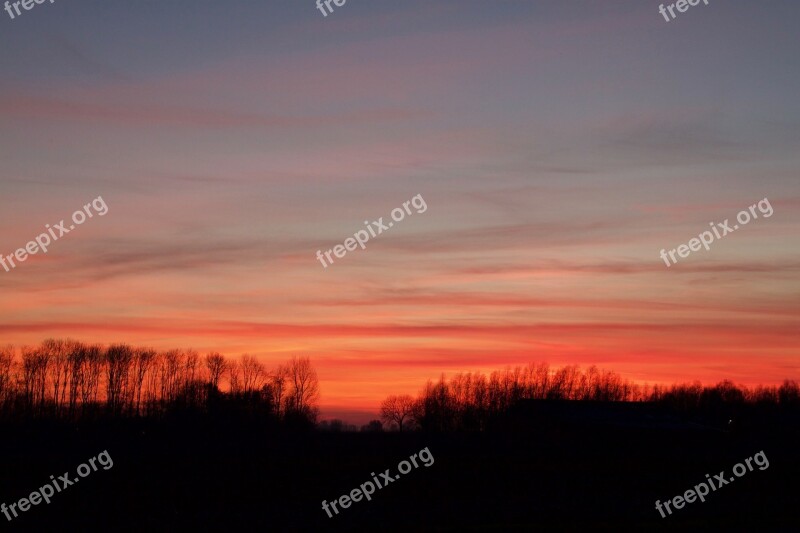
(203,476)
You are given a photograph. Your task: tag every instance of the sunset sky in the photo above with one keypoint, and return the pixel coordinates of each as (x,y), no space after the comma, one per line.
(559,146)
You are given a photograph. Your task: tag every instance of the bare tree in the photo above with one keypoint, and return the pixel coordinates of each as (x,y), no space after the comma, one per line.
(396,409)
(142,361)
(192,367)
(234,377)
(7,367)
(304,393)
(253,373)
(191,391)
(91,370)
(789,393)
(34,376)
(374,426)
(278,386)
(152,385)
(565,383)
(76,359)
(57,353)
(118,358)
(171,375)
(216,365)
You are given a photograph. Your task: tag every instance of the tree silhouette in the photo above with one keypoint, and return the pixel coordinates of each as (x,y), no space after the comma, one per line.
(216,366)
(304,393)
(70,379)
(7,377)
(253,373)
(278,384)
(374,426)
(396,409)
(474,402)
(143,361)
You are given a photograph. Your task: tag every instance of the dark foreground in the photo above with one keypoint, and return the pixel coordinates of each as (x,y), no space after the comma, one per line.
(175,476)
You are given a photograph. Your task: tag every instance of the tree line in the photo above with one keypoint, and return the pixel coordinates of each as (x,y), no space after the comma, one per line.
(472,401)
(67,379)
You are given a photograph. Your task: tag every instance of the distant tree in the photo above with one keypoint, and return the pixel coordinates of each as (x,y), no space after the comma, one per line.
(143,360)
(59,368)
(190,384)
(192,368)
(278,385)
(234,377)
(7,378)
(397,409)
(253,373)
(151,388)
(304,393)
(172,373)
(119,359)
(374,426)
(75,359)
(789,394)
(91,370)
(35,362)
(436,408)
(565,383)
(539,380)
(216,366)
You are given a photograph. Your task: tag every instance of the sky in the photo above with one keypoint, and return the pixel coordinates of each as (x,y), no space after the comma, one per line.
(558,147)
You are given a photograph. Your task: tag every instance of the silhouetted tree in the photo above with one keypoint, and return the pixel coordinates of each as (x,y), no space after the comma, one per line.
(35,362)
(253,373)
(75,359)
(118,366)
(397,409)
(143,360)
(216,365)
(278,386)
(59,368)
(7,377)
(789,394)
(304,392)
(374,426)
(91,370)
(234,377)
(172,372)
